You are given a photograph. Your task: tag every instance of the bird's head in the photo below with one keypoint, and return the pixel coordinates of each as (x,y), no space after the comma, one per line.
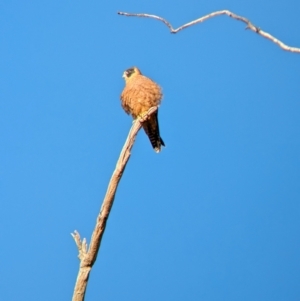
(130,73)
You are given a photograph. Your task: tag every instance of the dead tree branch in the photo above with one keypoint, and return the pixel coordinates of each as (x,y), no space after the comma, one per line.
(88,255)
(249,25)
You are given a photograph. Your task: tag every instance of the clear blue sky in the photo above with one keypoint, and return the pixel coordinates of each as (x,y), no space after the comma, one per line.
(215,216)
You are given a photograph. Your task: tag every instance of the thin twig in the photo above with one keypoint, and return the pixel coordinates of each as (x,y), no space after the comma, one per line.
(249,25)
(88,256)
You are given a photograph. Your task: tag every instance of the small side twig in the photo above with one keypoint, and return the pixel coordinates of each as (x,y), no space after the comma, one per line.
(88,255)
(249,25)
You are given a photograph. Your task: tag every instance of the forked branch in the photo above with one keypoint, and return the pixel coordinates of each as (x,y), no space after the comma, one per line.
(249,25)
(88,255)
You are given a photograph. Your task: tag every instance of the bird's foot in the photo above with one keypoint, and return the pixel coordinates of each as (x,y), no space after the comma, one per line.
(143,117)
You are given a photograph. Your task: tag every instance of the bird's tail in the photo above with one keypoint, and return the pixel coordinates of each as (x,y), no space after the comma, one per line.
(151,128)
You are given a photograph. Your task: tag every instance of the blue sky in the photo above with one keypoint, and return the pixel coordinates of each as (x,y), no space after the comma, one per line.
(214,216)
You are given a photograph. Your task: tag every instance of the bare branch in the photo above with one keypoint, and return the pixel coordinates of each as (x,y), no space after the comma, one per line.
(88,256)
(81,245)
(249,25)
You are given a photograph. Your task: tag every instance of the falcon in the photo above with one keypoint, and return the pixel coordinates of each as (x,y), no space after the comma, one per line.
(139,95)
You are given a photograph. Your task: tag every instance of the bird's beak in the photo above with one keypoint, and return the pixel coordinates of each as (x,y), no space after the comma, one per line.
(124,75)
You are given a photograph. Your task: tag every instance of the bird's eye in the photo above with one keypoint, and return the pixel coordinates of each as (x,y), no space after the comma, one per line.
(129,72)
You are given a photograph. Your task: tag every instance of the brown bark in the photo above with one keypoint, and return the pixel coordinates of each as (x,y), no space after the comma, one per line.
(88,255)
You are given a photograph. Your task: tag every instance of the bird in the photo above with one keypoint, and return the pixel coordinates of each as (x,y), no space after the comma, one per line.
(139,95)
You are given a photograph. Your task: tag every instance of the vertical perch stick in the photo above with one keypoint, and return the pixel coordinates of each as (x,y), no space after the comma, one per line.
(88,256)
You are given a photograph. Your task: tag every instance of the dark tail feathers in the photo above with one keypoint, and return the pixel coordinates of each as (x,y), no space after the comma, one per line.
(151,128)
